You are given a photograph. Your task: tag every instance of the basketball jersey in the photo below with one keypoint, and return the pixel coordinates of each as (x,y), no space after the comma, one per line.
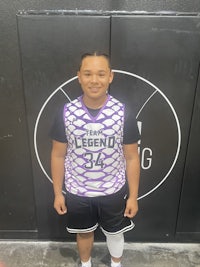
(95,163)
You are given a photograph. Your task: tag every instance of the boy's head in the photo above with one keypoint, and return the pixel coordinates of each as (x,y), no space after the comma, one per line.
(95,75)
(97,54)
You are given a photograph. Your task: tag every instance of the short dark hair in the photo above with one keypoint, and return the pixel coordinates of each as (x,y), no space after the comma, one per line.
(97,54)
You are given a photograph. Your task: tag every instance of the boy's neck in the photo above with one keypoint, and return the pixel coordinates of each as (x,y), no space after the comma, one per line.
(94,103)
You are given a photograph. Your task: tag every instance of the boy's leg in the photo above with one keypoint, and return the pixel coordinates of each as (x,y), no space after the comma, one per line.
(115,244)
(85,244)
(114,224)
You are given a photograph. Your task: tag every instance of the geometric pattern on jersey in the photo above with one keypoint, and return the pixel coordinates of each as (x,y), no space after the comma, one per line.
(95,163)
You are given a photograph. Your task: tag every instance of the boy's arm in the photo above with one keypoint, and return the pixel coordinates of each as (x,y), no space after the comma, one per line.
(133,175)
(57,171)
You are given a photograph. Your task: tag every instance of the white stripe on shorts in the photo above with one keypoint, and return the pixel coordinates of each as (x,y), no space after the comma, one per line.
(123,230)
(87,230)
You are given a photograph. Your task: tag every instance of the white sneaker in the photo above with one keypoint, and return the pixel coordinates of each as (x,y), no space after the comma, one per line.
(120,265)
(80,265)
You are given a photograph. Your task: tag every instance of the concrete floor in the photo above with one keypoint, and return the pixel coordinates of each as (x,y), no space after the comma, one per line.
(60,254)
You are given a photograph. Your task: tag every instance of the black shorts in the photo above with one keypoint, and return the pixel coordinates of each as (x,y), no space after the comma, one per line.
(85,214)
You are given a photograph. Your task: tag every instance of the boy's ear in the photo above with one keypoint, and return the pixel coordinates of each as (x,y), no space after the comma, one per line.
(111,76)
(78,74)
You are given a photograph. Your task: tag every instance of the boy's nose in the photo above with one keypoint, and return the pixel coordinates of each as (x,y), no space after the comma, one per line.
(94,78)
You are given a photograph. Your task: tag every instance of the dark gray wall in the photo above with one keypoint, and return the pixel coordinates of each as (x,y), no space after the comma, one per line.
(17,195)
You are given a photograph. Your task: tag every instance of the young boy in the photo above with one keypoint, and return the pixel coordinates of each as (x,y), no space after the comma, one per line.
(95,154)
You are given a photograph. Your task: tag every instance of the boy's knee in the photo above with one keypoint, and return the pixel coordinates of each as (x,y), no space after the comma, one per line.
(85,235)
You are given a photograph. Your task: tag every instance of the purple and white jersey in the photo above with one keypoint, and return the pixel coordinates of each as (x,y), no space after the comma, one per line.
(94,164)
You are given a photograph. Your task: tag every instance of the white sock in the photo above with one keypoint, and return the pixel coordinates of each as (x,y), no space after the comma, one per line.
(86,263)
(115,264)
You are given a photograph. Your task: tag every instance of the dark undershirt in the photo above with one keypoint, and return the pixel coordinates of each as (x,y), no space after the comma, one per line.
(131,132)
(93,112)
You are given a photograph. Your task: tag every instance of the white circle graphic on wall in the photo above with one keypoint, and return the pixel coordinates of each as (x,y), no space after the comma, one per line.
(158,181)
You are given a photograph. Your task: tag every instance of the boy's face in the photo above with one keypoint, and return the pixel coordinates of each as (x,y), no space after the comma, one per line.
(95,77)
